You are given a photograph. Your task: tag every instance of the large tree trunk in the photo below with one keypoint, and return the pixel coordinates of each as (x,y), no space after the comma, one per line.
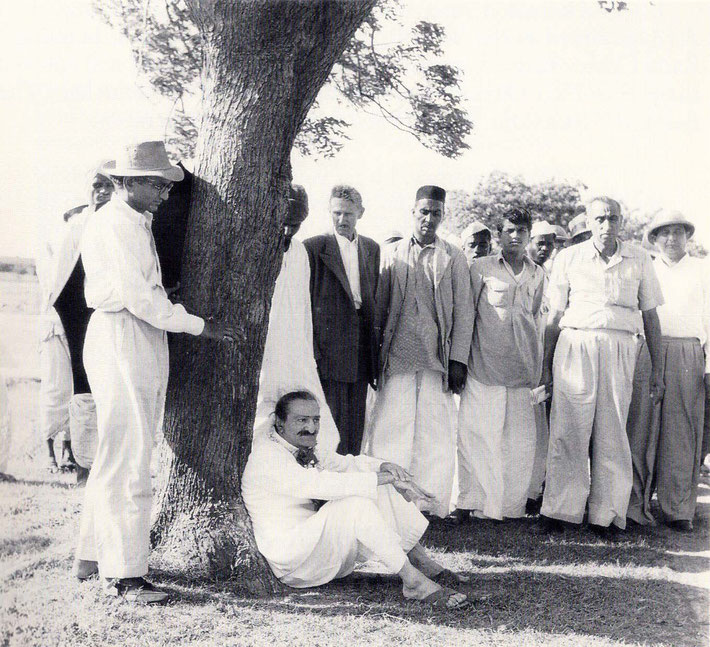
(264,62)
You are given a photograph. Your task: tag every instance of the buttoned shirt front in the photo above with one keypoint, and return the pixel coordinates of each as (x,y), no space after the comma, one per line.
(686,290)
(594,294)
(506,348)
(349,254)
(415,342)
(123,271)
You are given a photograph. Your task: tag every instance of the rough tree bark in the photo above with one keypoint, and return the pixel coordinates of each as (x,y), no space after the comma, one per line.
(264,62)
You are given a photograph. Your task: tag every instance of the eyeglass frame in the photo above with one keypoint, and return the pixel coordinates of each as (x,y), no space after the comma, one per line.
(162,188)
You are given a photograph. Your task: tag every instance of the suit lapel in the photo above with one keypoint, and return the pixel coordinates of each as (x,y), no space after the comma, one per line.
(334,261)
(401,263)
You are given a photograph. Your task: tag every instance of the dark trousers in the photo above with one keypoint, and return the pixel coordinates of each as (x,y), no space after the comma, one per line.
(347,404)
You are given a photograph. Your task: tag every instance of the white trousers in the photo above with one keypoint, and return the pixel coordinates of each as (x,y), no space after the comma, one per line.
(84,431)
(414,425)
(593,374)
(5,437)
(56,387)
(126,362)
(357,529)
(496,449)
(542,440)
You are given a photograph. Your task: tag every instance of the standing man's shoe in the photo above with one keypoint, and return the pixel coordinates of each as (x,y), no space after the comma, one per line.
(85,569)
(134,589)
(607,533)
(681,525)
(550,525)
(458,517)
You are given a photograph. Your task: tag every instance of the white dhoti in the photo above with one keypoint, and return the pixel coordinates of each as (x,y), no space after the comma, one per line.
(126,361)
(357,529)
(56,387)
(542,439)
(414,425)
(496,449)
(592,384)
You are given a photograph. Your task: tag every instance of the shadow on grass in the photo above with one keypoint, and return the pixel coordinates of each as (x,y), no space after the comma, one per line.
(646,611)
(49,483)
(23,545)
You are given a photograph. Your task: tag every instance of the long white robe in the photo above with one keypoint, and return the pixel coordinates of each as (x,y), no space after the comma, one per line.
(288,363)
(360,520)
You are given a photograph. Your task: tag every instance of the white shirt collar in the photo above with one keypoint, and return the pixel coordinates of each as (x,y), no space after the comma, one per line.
(343,240)
(123,207)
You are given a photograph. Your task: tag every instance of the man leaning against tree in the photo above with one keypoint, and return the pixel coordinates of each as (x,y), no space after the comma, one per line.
(126,361)
(602,294)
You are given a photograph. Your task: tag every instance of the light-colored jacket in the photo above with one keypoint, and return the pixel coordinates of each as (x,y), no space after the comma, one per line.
(452,300)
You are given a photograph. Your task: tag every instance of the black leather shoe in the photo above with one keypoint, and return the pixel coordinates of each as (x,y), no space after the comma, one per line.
(681,525)
(607,533)
(458,517)
(550,525)
(134,589)
(532,507)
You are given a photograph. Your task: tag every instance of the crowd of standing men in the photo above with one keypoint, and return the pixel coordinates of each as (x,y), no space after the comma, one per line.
(517,366)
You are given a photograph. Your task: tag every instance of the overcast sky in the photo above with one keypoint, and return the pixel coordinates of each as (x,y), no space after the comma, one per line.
(559,89)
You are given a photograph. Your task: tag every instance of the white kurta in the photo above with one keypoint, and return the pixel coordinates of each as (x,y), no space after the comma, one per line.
(288,363)
(359,521)
(126,361)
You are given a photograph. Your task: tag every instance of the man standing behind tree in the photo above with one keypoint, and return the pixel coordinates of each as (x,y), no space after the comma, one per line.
(602,293)
(344,273)
(425,321)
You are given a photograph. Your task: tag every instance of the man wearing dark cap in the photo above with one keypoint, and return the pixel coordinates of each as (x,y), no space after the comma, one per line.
(288,363)
(424,323)
(666,439)
(344,270)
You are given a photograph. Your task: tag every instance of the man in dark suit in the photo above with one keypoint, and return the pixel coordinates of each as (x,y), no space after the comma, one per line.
(344,273)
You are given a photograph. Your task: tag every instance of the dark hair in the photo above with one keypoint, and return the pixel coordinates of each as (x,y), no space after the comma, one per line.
(282,406)
(517,217)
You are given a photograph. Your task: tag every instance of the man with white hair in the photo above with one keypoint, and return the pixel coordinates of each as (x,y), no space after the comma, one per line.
(602,293)
(126,361)
(316,513)
(64,388)
(666,438)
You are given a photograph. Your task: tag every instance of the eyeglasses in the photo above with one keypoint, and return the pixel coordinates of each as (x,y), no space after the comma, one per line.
(161,187)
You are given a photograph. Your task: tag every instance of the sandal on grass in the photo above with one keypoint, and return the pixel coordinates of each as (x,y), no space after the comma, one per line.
(449,578)
(443,599)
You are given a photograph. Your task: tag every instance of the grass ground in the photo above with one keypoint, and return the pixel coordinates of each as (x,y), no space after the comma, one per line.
(570,590)
(651,589)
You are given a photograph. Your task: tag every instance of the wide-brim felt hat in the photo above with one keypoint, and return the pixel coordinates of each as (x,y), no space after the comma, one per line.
(665,218)
(144,159)
(561,232)
(578,225)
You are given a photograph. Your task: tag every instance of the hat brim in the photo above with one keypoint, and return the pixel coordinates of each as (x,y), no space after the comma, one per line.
(689,228)
(172,173)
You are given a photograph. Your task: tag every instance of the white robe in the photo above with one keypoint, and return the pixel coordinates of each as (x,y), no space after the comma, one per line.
(359,520)
(288,363)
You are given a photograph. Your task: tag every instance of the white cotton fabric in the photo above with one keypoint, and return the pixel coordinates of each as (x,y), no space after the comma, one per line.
(83,428)
(126,360)
(349,256)
(542,439)
(288,363)
(496,449)
(414,425)
(593,374)
(359,521)
(56,385)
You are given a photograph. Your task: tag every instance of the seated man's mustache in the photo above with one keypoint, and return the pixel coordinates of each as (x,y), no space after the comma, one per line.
(305,432)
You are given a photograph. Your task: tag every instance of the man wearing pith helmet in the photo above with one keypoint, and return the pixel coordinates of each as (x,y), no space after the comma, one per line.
(424,322)
(602,294)
(126,361)
(666,440)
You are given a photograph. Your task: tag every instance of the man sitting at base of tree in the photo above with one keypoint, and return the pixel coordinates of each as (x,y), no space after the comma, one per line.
(316,513)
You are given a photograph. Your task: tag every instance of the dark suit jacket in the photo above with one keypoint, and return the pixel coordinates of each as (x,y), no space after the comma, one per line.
(336,324)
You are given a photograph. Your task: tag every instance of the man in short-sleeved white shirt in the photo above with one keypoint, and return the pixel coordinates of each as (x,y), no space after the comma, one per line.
(603,294)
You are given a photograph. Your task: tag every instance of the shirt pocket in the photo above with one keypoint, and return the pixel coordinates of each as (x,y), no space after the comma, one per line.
(497,292)
(623,290)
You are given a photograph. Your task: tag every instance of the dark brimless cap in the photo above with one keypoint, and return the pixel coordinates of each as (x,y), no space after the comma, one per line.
(297,201)
(431,192)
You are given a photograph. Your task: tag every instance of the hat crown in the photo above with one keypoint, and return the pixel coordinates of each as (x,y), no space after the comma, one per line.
(665,218)
(144,156)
